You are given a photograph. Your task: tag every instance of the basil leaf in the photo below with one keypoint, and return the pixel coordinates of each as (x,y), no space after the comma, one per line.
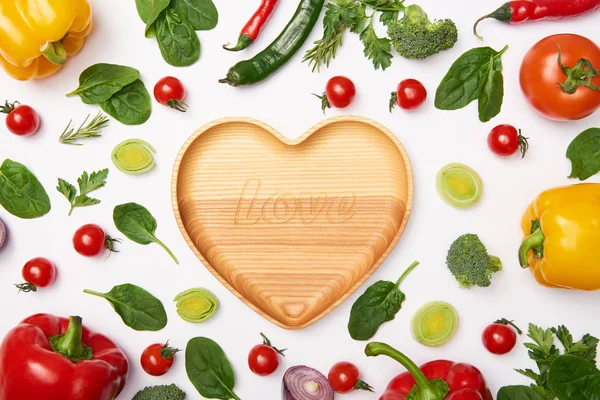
(573,378)
(100,81)
(209,369)
(202,14)
(21,194)
(378,304)
(491,90)
(518,393)
(137,308)
(149,10)
(177,40)
(584,153)
(137,224)
(131,105)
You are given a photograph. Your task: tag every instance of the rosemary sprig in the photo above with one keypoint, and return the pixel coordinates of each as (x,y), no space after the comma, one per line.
(91,130)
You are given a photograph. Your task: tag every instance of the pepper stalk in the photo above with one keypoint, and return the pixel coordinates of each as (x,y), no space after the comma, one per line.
(70,344)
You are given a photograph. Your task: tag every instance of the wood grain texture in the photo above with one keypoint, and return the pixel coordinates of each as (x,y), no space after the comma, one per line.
(292,227)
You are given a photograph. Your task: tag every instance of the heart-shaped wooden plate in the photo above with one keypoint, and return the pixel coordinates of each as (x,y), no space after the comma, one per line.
(292,227)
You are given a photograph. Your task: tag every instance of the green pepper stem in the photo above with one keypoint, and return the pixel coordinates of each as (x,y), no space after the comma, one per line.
(405,274)
(536,239)
(70,344)
(55,52)
(427,390)
(243,42)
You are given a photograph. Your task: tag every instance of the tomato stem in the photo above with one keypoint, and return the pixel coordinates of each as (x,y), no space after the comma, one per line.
(505,321)
(26,287)
(523,144)
(580,75)
(325,104)
(362,385)
(168,352)
(393,100)
(8,107)
(267,342)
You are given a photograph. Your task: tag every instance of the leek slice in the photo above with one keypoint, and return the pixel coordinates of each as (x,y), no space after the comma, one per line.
(459,185)
(196,305)
(134,156)
(434,324)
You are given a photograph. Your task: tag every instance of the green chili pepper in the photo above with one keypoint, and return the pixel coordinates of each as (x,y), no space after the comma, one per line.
(196,305)
(134,156)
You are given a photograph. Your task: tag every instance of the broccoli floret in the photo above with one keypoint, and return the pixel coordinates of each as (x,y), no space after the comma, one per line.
(414,36)
(470,263)
(160,392)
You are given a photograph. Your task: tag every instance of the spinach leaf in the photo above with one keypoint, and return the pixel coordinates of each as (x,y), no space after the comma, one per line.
(518,393)
(131,105)
(178,43)
(477,74)
(100,81)
(21,194)
(573,378)
(137,308)
(202,14)
(209,369)
(378,304)
(149,10)
(491,90)
(584,153)
(137,224)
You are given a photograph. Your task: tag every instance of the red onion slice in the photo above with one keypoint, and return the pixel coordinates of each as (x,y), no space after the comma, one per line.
(304,383)
(2,233)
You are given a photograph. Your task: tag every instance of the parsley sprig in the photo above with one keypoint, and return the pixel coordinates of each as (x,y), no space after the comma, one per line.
(343,15)
(87,183)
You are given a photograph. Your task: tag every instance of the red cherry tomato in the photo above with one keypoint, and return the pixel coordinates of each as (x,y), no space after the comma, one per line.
(499,338)
(465,394)
(21,120)
(169,91)
(157,359)
(505,140)
(90,240)
(263,359)
(344,378)
(410,94)
(339,92)
(462,376)
(38,273)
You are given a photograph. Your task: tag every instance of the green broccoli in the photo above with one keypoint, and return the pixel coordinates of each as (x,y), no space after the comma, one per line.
(470,263)
(415,37)
(160,392)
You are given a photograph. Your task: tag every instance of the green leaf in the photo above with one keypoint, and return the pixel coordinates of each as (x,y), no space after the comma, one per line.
(573,378)
(149,10)
(491,90)
(21,194)
(518,393)
(209,369)
(100,81)
(377,49)
(84,201)
(89,183)
(177,40)
(138,309)
(131,105)
(387,17)
(584,153)
(202,14)
(137,224)
(67,190)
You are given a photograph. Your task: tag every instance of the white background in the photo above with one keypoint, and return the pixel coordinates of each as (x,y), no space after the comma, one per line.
(431,137)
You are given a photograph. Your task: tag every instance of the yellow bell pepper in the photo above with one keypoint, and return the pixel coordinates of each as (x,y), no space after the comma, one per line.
(562,237)
(36,36)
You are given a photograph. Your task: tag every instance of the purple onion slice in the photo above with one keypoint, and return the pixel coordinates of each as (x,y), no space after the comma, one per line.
(304,383)
(2,233)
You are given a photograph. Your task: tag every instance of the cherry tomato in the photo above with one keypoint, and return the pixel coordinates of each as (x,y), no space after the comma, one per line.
(410,94)
(263,359)
(499,338)
(462,376)
(541,77)
(38,273)
(505,140)
(157,359)
(169,91)
(90,240)
(21,120)
(339,93)
(344,378)
(465,394)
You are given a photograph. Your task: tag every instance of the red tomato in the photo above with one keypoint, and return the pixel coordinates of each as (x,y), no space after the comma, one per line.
(463,375)
(90,240)
(157,359)
(169,91)
(465,394)
(505,140)
(344,378)
(499,338)
(340,91)
(38,273)
(21,120)
(410,94)
(263,360)
(541,76)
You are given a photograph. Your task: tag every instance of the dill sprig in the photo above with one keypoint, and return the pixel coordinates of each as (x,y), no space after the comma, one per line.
(91,130)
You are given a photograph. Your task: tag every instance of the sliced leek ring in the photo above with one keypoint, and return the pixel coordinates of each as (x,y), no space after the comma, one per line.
(459,185)
(434,324)
(134,156)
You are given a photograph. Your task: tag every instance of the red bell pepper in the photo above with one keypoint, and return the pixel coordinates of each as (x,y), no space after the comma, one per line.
(53,358)
(435,380)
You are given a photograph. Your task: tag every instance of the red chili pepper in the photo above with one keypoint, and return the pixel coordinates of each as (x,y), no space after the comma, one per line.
(516,12)
(253,27)
(58,359)
(435,380)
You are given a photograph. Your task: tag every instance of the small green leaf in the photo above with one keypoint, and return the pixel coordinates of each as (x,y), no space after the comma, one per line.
(377,49)
(84,201)
(177,40)
(21,194)
(87,183)
(149,10)
(100,81)
(518,393)
(67,190)
(90,183)
(202,14)
(584,153)
(131,105)
(491,90)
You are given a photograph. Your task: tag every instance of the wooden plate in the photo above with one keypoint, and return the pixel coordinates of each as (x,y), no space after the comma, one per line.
(292,227)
